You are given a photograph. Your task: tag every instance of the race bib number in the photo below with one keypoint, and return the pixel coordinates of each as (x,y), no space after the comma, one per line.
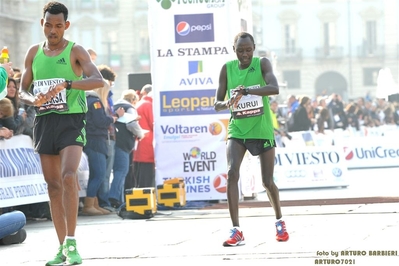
(58,103)
(249,105)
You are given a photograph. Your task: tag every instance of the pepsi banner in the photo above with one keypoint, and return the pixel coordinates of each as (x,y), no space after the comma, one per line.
(188,48)
(194,28)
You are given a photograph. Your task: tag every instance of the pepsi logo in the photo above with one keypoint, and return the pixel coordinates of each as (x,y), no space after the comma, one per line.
(220,183)
(348,153)
(183,28)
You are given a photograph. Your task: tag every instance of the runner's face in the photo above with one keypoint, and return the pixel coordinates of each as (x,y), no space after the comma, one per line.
(54,27)
(244,49)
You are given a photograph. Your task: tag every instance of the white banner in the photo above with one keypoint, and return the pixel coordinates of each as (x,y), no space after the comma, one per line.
(310,167)
(21,176)
(365,148)
(188,49)
(297,167)
(371,152)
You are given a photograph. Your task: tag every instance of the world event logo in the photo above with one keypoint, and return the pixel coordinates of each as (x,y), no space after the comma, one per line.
(194,28)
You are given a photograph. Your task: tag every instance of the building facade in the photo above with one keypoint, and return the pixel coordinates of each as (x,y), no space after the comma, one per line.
(317,46)
(329,46)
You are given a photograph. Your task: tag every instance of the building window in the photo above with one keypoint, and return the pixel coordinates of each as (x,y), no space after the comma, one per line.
(372,18)
(86,4)
(293,79)
(290,36)
(371,37)
(370,76)
(329,41)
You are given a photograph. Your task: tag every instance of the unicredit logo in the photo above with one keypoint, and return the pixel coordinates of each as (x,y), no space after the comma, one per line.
(183,28)
(371,153)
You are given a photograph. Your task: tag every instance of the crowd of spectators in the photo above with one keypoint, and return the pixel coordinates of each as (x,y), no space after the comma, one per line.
(332,112)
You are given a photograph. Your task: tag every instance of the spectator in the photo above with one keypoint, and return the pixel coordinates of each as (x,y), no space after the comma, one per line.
(6,71)
(376,122)
(109,75)
(11,228)
(323,121)
(336,107)
(16,122)
(292,104)
(6,111)
(96,147)
(389,114)
(302,121)
(351,111)
(93,54)
(126,133)
(144,161)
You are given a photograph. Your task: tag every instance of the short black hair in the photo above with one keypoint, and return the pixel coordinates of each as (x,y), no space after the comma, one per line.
(107,72)
(55,8)
(243,34)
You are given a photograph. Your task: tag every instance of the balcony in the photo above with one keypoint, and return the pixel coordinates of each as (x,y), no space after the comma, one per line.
(367,51)
(329,52)
(288,54)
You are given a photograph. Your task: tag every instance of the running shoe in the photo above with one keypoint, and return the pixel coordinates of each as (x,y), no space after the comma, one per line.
(281,234)
(59,259)
(71,253)
(236,238)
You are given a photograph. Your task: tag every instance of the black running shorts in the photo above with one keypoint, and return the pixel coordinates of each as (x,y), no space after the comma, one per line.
(54,132)
(256,146)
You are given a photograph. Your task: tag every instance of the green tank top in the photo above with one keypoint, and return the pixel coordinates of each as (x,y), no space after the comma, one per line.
(49,71)
(252,117)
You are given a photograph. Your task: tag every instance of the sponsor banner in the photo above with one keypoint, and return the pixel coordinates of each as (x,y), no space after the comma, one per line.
(365,148)
(186,59)
(180,132)
(371,152)
(188,102)
(310,167)
(21,176)
(196,151)
(297,167)
(201,164)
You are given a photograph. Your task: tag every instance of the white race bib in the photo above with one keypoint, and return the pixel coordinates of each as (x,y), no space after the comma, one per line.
(249,105)
(58,103)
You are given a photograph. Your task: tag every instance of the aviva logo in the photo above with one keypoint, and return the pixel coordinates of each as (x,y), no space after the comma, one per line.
(61,61)
(195,67)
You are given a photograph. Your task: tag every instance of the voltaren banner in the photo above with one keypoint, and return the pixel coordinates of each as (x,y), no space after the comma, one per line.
(190,41)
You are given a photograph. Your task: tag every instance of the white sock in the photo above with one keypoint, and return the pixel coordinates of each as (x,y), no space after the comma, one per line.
(70,237)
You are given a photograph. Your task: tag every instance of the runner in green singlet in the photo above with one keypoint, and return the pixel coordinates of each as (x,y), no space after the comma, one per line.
(55,68)
(247,82)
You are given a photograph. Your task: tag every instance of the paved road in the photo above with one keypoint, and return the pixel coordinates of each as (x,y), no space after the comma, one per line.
(183,237)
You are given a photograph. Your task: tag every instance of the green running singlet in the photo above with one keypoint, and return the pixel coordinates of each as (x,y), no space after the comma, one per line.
(49,71)
(252,117)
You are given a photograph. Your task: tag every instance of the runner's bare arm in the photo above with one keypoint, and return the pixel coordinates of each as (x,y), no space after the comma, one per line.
(27,77)
(220,102)
(271,87)
(81,63)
